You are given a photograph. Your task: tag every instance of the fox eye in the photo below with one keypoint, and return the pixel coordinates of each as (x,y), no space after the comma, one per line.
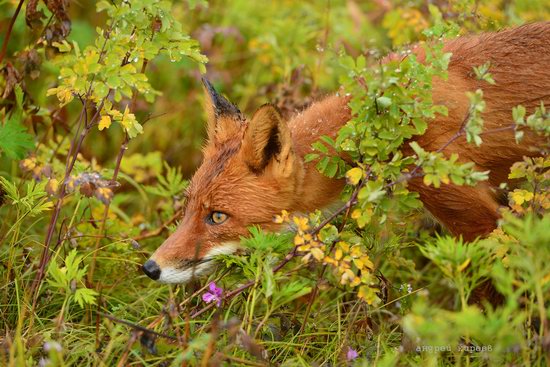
(216,218)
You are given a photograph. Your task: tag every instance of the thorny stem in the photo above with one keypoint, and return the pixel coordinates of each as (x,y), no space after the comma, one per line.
(10,28)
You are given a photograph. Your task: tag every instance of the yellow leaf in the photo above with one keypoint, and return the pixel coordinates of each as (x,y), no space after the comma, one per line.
(464,265)
(304,248)
(105,122)
(317,253)
(367,262)
(28,164)
(52,186)
(51,91)
(354,175)
(117,115)
(301,223)
(521,196)
(344,246)
(355,282)
(368,294)
(356,251)
(284,217)
(128,119)
(427,180)
(65,95)
(338,254)
(298,240)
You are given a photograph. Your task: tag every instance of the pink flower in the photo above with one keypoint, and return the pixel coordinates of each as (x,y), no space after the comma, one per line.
(351,354)
(215,294)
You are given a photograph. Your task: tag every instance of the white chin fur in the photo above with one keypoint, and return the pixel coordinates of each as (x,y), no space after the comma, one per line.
(171,275)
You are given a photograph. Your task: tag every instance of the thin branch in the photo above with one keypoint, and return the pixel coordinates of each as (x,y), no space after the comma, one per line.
(137,327)
(10,28)
(159,230)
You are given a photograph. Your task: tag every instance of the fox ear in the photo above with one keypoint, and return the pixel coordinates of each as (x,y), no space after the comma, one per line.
(221,113)
(267,138)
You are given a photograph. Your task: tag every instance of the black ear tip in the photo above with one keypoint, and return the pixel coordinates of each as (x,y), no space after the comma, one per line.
(206,82)
(221,105)
(209,87)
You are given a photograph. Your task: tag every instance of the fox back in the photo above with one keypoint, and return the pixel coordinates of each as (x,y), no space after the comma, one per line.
(253,169)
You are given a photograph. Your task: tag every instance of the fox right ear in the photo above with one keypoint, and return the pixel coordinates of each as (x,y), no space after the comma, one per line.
(223,116)
(267,140)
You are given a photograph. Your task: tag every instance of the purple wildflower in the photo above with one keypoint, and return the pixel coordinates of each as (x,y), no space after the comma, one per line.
(52,345)
(351,354)
(215,294)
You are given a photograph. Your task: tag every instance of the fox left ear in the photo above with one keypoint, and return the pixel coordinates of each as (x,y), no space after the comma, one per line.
(223,116)
(267,139)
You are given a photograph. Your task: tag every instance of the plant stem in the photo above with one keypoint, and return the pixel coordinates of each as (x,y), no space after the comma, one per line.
(10,28)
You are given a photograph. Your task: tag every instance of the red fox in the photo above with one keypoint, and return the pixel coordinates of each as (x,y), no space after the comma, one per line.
(253,169)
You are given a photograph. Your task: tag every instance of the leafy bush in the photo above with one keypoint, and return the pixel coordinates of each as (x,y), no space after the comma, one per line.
(100,128)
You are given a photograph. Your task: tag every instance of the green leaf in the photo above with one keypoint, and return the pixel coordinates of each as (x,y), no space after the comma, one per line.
(320,147)
(383,101)
(332,168)
(14,139)
(85,296)
(15,142)
(417,148)
(328,233)
(310,157)
(518,114)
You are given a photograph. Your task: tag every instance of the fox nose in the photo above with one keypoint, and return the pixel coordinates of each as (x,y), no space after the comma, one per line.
(151,269)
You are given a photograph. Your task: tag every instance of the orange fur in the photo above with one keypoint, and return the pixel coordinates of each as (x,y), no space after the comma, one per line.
(253,170)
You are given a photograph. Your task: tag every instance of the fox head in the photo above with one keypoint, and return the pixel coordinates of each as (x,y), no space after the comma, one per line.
(249,173)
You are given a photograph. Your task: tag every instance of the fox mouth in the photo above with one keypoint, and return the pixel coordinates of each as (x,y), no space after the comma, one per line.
(186,269)
(199,268)
(182,273)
